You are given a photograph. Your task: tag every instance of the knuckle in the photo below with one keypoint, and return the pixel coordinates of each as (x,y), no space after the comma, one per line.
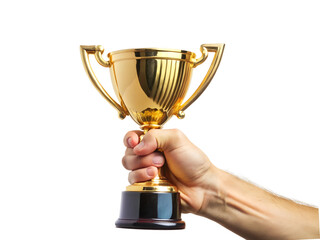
(130,178)
(128,151)
(124,162)
(133,177)
(178,135)
(152,132)
(177,132)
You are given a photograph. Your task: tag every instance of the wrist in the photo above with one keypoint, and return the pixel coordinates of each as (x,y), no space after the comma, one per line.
(229,196)
(213,193)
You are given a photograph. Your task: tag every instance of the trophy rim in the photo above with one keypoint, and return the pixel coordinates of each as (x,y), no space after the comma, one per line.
(152,49)
(152,53)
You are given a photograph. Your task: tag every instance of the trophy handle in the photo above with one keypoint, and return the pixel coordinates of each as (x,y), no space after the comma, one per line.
(205,48)
(98,51)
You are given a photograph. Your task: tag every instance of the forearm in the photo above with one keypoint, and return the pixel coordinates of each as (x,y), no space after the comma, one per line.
(254,213)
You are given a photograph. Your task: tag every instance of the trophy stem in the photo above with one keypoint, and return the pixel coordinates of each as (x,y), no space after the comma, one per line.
(162,172)
(161,178)
(158,184)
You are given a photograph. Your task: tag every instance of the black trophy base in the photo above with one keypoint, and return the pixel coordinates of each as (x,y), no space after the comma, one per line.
(150,210)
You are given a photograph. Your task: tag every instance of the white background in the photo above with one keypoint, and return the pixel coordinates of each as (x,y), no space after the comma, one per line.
(61,143)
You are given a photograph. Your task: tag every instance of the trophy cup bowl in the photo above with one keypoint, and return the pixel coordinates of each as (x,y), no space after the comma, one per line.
(150,85)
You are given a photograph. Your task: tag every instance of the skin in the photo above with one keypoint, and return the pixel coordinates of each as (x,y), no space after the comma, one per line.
(208,191)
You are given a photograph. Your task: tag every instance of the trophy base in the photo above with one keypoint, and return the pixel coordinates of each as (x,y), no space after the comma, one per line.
(150,224)
(150,210)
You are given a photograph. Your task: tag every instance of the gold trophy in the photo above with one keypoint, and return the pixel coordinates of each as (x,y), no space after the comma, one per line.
(150,85)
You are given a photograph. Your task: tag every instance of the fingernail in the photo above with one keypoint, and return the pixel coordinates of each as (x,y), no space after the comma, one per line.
(129,141)
(150,171)
(157,160)
(139,146)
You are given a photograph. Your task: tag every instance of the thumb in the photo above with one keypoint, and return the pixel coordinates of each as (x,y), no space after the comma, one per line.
(166,140)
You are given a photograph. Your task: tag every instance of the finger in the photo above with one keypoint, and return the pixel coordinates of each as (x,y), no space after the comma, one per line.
(133,162)
(143,174)
(129,151)
(167,140)
(132,138)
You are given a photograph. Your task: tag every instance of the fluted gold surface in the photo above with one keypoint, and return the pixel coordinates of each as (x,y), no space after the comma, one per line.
(149,85)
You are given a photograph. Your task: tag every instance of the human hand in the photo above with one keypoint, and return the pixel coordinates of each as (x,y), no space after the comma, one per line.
(242,207)
(189,168)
